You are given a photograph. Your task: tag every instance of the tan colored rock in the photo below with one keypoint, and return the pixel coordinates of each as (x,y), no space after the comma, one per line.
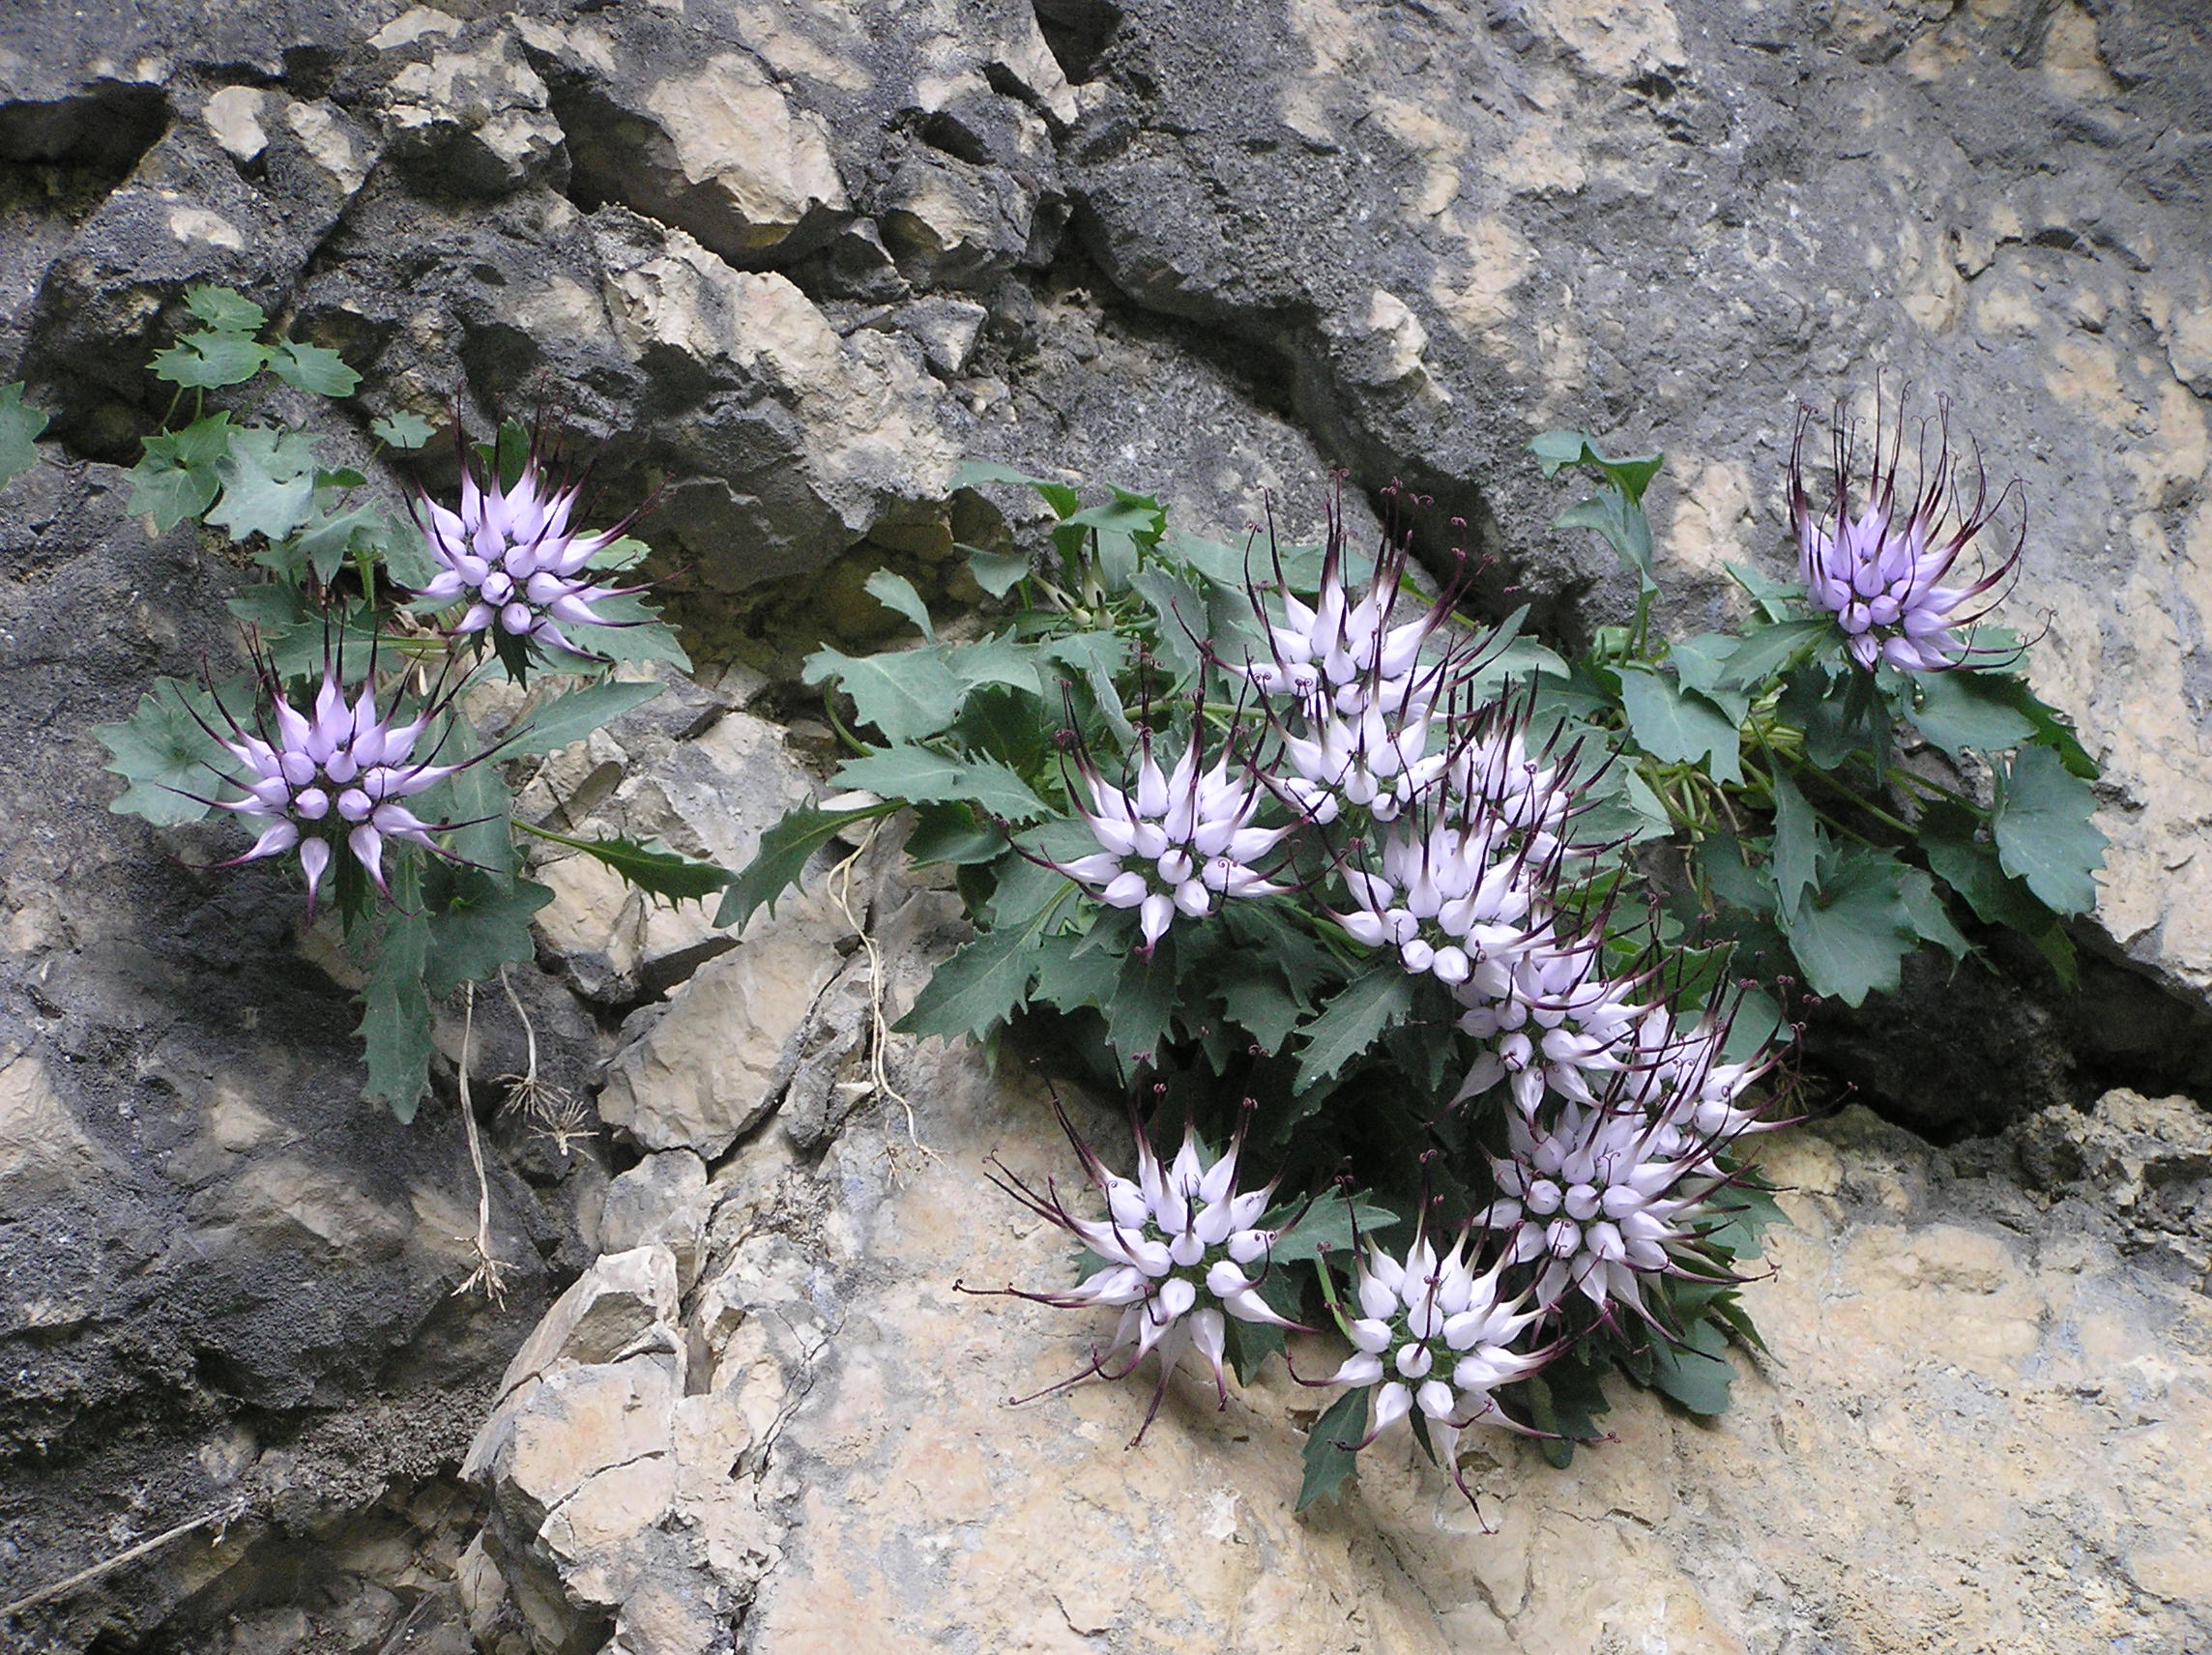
(749,169)
(611,1311)
(233,116)
(1979,1416)
(42,1150)
(660,1202)
(477,113)
(710,1068)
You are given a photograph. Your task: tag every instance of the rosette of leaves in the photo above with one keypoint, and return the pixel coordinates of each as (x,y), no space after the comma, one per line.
(1834,818)
(338,571)
(1124,626)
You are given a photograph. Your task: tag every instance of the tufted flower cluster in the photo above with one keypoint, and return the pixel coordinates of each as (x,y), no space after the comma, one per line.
(1887,573)
(513,557)
(1620,1187)
(1176,843)
(1437,1334)
(1373,775)
(1182,1248)
(338,770)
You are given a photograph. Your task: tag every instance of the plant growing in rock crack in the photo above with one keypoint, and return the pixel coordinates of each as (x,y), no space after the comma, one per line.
(1286,845)
(351,745)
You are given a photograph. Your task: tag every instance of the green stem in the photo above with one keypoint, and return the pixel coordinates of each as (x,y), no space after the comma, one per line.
(829,708)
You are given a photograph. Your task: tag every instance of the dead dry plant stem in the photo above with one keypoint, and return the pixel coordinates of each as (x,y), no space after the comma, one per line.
(223,1516)
(879,1028)
(489,1271)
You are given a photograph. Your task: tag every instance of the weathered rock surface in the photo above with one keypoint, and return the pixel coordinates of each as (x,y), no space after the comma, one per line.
(228,1281)
(1976,1430)
(791,263)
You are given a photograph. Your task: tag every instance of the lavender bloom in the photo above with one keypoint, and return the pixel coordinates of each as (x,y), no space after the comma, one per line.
(1615,1190)
(1435,1335)
(1884,574)
(1174,843)
(1181,1247)
(1350,654)
(511,555)
(341,770)
(1559,1021)
(1454,901)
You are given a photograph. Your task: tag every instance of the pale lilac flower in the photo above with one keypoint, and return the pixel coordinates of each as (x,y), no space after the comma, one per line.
(1605,1197)
(1561,1022)
(1887,573)
(336,772)
(1347,654)
(513,557)
(1174,843)
(1434,1334)
(1180,1249)
(1455,902)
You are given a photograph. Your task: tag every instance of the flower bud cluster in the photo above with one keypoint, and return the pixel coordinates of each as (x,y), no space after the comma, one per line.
(1886,573)
(1434,1334)
(512,556)
(1622,1187)
(1176,843)
(336,772)
(1182,1248)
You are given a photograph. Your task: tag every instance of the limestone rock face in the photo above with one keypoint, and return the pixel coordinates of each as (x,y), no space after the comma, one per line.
(1986,1384)
(783,265)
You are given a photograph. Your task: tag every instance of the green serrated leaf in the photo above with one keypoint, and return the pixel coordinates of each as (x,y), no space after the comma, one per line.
(919,775)
(1329,1456)
(1353,1021)
(167,491)
(396,1018)
(998,660)
(978,988)
(1962,710)
(2043,831)
(225,310)
(401,431)
(476,927)
(19,427)
(1763,653)
(1180,612)
(976,473)
(268,482)
(1702,664)
(665,875)
(1930,920)
(312,368)
(1143,1001)
(949,836)
(1632,474)
(894,592)
(1330,1225)
(1261,1005)
(572,716)
(1951,841)
(163,752)
(1620,522)
(782,858)
(906,694)
(1854,930)
(1679,726)
(1798,843)
(327,541)
(1696,1373)
(204,362)
(1074,981)
(997,573)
